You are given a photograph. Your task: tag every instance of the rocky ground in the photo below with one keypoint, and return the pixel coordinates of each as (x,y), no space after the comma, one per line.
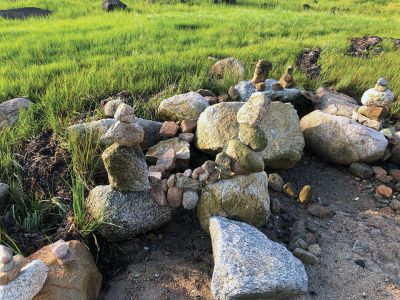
(360,245)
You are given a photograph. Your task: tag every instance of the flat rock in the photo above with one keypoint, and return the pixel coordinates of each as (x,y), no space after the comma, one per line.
(125,214)
(243,197)
(341,140)
(182,152)
(250,266)
(24,13)
(10,109)
(28,283)
(335,103)
(182,107)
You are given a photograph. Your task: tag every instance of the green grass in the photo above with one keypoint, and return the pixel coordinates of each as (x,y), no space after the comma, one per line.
(66,63)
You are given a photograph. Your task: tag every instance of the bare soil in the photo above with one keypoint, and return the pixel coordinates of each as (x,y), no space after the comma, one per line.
(308,62)
(363,46)
(360,245)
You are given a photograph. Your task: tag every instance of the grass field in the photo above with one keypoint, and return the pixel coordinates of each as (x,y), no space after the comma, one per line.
(68,62)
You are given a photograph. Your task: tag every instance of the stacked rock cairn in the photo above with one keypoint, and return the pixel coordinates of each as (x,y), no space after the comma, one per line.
(375,106)
(261,73)
(287,79)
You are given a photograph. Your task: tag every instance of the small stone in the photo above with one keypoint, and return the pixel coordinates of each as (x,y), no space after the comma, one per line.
(260,86)
(305,256)
(125,134)
(64,254)
(159,195)
(174,197)
(224,97)
(288,189)
(124,113)
(233,94)
(305,195)
(395,173)
(110,107)
(188,173)
(382,82)
(187,136)
(314,249)
(190,199)
(275,182)
(287,79)
(384,190)
(157,169)
(184,182)
(373,112)
(395,204)
(379,171)
(209,166)
(169,129)
(205,93)
(164,185)
(204,176)
(275,206)
(361,170)
(188,126)
(167,160)
(319,211)
(6,259)
(197,172)
(16,264)
(211,100)
(254,110)
(397,187)
(155,178)
(171,181)
(244,159)
(310,238)
(253,137)
(384,178)
(214,176)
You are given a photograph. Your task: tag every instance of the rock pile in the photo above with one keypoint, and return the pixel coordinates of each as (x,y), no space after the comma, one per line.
(287,79)
(260,74)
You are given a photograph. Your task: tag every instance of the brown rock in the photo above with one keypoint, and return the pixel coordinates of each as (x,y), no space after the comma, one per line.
(205,93)
(395,204)
(174,197)
(79,280)
(305,195)
(187,136)
(288,189)
(18,263)
(384,178)
(211,100)
(159,195)
(261,71)
(188,126)
(169,129)
(319,211)
(379,171)
(260,86)
(395,173)
(167,160)
(373,112)
(198,171)
(224,97)
(287,79)
(384,190)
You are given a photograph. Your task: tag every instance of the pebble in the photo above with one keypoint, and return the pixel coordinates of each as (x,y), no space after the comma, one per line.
(310,238)
(305,256)
(314,249)
(288,189)
(395,173)
(169,129)
(361,170)
(188,173)
(379,171)
(395,204)
(159,195)
(205,93)
(275,206)
(275,182)
(305,195)
(384,190)
(6,258)
(197,172)
(171,181)
(319,211)
(209,166)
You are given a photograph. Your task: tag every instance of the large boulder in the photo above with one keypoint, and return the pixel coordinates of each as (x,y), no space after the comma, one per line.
(285,139)
(216,126)
(181,107)
(243,197)
(96,129)
(341,140)
(335,103)
(247,265)
(228,67)
(28,283)
(79,280)
(123,215)
(9,111)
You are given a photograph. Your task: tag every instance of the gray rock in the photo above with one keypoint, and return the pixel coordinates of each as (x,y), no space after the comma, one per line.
(190,199)
(243,197)
(9,111)
(4,193)
(305,256)
(380,95)
(361,170)
(250,266)
(227,67)
(341,140)
(110,5)
(184,182)
(123,215)
(275,182)
(28,283)
(181,107)
(335,103)
(254,110)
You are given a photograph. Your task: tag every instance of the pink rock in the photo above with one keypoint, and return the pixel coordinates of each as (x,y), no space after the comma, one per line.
(188,126)
(158,194)
(175,196)
(167,160)
(169,129)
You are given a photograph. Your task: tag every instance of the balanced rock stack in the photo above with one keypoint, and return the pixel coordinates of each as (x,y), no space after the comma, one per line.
(125,203)
(287,79)
(260,74)
(375,106)
(19,278)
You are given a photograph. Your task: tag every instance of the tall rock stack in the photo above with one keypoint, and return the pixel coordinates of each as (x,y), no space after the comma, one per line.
(124,207)
(287,79)
(260,74)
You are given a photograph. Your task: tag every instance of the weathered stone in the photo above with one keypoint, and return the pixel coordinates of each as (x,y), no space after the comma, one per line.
(229,67)
(64,254)
(254,110)
(223,163)
(169,129)
(361,170)
(261,71)
(124,113)
(373,112)
(305,256)
(384,191)
(209,166)
(320,211)
(211,100)
(125,134)
(182,107)
(243,197)
(184,182)
(10,110)
(289,190)
(275,182)
(167,160)
(80,280)
(314,249)
(198,171)
(287,79)
(335,103)
(224,97)
(175,197)
(28,283)
(181,148)
(305,195)
(395,173)
(126,168)
(253,137)
(190,199)
(250,266)
(395,204)
(16,264)
(158,194)
(110,107)
(379,171)
(216,126)
(377,96)
(110,5)
(123,215)
(244,160)
(205,93)
(341,140)
(6,258)
(188,136)
(275,206)
(188,126)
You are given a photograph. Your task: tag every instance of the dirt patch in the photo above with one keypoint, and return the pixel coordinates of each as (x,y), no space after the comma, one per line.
(363,46)
(175,262)
(308,62)
(24,13)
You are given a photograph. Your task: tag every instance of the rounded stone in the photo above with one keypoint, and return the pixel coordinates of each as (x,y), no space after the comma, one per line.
(254,137)
(244,160)
(124,113)
(190,199)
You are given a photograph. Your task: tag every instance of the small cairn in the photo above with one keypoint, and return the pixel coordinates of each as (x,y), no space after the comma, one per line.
(260,74)
(287,79)
(63,253)
(375,106)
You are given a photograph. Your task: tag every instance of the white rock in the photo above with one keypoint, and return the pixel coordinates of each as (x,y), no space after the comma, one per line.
(190,199)
(250,266)
(28,283)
